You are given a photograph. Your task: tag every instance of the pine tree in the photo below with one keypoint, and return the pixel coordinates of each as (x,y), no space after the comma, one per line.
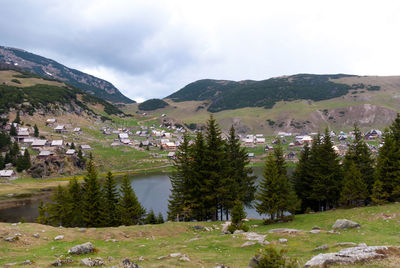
(13,130)
(17,119)
(73,146)
(42,210)
(59,208)
(130,210)
(238,213)
(75,199)
(92,205)
(360,155)
(151,218)
(379,196)
(355,190)
(2,162)
(7,158)
(26,160)
(179,178)
(302,180)
(239,178)
(14,153)
(160,218)
(36,131)
(110,201)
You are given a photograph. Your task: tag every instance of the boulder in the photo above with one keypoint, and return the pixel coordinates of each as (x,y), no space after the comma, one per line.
(127,263)
(345,224)
(248,243)
(92,262)
(225,227)
(198,227)
(11,238)
(255,237)
(323,247)
(284,230)
(315,231)
(238,232)
(62,261)
(348,256)
(175,255)
(36,235)
(59,237)
(82,249)
(184,258)
(282,240)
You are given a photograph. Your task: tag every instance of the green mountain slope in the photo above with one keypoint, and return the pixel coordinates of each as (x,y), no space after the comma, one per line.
(51,69)
(227,95)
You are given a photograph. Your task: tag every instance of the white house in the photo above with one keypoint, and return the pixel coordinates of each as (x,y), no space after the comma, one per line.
(85,147)
(7,174)
(57,143)
(45,154)
(51,121)
(70,152)
(60,129)
(77,130)
(123,136)
(39,143)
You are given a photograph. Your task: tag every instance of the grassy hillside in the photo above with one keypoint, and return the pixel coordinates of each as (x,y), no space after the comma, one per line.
(379,226)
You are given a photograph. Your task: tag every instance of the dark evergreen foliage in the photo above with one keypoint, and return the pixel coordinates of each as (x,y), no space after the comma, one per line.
(130,210)
(36,131)
(110,201)
(152,104)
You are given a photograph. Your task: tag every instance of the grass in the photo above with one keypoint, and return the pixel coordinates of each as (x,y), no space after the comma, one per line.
(379,226)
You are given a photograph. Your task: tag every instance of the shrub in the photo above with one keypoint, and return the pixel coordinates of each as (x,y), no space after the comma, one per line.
(269,257)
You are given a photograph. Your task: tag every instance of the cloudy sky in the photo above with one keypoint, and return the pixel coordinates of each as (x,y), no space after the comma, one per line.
(149,49)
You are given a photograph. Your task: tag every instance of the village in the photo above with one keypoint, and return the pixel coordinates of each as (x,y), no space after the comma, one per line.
(63,142)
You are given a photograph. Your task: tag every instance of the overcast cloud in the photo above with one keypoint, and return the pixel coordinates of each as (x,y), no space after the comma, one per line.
(150,49)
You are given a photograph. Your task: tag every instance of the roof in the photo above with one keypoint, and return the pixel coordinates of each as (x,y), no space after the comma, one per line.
(51,120)
(22,133)
(123,136)
(57,143)
(28,140)
(59,127)
(23,129)
(45,153)
(39,142)
(70,151)
(250,154)
(77,129)
(170,144)
(85,146)
(6,173)
(171,154)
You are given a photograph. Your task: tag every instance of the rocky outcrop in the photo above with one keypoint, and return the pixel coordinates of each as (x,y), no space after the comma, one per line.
(92,262)
(82,249)
(348,256)
(345,224)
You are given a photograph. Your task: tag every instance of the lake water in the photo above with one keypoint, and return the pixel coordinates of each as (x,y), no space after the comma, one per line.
(152,190)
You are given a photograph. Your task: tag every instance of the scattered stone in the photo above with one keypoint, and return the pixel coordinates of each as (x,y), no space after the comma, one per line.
(315,231)
(36,235)
(333,232)
(62,261)
(255,237)
(193,239)
(82,249)
(316,228)
(92,262)
(27,262)
(345,224)
(284,230)
(141,258)
(282,240)
(161,257)
(198,227)
(11,238)
(14,224)
(110,258)
(184,258)
(323,247)
(266,243)
(175,255)
(349,256)
(225,227)
(112,240)
(208,229)
(82,230)
(346,244)
(53,248)
(221,266)
(362,245)
(248,243)
(59,237)
(238,232)
(127,263)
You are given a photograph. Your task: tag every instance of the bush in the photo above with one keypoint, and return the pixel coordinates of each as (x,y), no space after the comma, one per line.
(269,257)
(288,218)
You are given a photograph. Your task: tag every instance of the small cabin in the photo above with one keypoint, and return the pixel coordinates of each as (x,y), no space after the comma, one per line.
(8,174)
(60,129)
(70,152)
(45,154)
(85,147)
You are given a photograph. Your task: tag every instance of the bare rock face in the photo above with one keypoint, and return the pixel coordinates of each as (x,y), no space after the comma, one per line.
(348,256)
(345,224)
(82,249)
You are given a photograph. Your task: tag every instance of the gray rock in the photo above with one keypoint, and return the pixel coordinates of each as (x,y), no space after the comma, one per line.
(345,224)
(316,228)
(27,262)
(184,258)
(92,262)
(36,235)
(198,227)
(284,230)
(59,237)
(346,244)
(238,232)
(315,231)
(161,257)
(11,238)
(248,243)
(333,232)
(82,230)
(362,245)
(62,261)
(82,249)
(127,263)
(175,255)
(255,237)
(348,256)
(323,247)
(282,240)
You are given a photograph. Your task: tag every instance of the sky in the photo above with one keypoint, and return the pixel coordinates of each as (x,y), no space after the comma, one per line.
(150,49)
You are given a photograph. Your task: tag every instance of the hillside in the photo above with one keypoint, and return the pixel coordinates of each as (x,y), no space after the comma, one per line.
(147,244)
(51,69)
(306,103)
(33,93)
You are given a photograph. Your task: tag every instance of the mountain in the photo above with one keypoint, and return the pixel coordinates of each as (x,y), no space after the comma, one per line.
(227,95)
(51,69)
(31,93)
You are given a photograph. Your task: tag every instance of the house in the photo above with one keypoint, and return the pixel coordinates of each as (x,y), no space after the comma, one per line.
(298,143)
(250,155)
(373,134)
(57,143)
(39,143)
(77,130)
(50,121)
(70,152)
(248,142)
(85,147)
(60,129)
(126,141)
(170,146)
(171,155)
(268,148)
(22,134)
(307,139)
(291,156)
(9,174)
(260,140)
(28,141)
(123,136)
(44,154)
(291,144)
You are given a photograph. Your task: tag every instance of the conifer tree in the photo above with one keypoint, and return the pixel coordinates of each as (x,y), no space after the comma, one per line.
(36,131)
(73,146)
(110,201)
(2,164)
(360,155)
(160,218)
(17,118)
(151,218)
(179,178)
(26,160)
(92,205)
(130,209)
(302,180)
(239,178)
(7,158)
(42,218)
(355,190)
(238,213)
(13,130)
(59,209)
(75,199)
(379,196)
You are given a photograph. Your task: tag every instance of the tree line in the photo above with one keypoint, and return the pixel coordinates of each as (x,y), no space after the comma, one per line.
(95,204)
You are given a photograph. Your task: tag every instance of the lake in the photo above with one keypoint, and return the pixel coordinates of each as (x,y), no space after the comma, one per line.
(152,190)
